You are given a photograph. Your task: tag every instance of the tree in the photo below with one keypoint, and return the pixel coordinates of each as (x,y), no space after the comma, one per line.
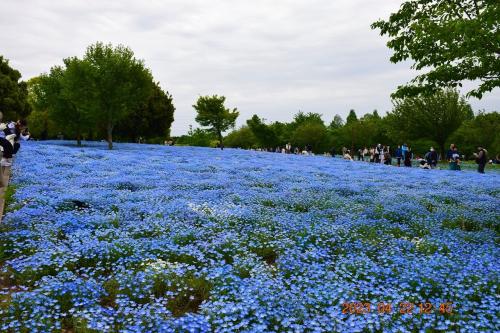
(13,93)
(336,123)
(240,138)
(213,114)
(452,41)
(197,137)
(151,120)
(352,117)
(483,130)
(119,84)
(264,134)
(351,130)
(433,117)
(64,93)
(311,117)
(311,133)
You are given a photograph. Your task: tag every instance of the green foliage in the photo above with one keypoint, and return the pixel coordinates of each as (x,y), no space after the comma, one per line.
(240,138)
(263,133)
(302,118)
(151,120)
(41,126)
(433,117)
(352,117)
(483,130)
(311,133)
(13,93)
(9,200)
(336,123)
(62,95)
(119,84)
(108,90)
(457,40)
(197,137)
(212,113)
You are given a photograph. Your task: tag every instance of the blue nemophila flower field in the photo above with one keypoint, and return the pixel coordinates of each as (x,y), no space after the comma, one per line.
(176,239)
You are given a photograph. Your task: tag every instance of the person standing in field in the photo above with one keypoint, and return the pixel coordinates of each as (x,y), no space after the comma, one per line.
(431,158)
(372,155)
(481,159)
(453,157)
(387,156)
(333,152)
(407,157)
(309,149)
(365,152)
(404,151)
(399,155)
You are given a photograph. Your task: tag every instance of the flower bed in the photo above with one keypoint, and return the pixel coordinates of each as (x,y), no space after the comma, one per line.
(161,239)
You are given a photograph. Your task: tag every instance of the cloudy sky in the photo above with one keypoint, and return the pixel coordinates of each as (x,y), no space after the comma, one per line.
(268,57)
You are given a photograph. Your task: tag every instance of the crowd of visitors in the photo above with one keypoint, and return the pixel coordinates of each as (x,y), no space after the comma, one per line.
(11,133)
(401,156)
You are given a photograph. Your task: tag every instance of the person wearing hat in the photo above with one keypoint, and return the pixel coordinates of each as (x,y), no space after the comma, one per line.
(481,159)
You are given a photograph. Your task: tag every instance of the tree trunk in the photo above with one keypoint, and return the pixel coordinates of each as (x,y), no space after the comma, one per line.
(443,152)
(219,134)
(109,131)
(78,136)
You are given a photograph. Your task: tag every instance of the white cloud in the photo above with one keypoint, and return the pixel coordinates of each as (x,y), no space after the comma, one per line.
(267,57)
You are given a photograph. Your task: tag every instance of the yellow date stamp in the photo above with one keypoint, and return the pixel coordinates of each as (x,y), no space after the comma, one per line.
(408,308)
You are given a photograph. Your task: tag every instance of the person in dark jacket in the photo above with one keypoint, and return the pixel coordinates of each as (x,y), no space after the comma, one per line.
(407,158)
(481,159)
(431,158)
(451,157)
(399,155)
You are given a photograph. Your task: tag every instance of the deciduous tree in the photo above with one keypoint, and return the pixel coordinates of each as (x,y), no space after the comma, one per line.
(13,92)
(120,83)
(448,41)
(433,117)
(212,113)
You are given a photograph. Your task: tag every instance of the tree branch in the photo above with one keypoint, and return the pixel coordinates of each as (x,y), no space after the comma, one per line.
(464,9)
(476,7)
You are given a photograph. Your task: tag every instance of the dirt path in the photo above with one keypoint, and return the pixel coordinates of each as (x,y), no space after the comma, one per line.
(5,177)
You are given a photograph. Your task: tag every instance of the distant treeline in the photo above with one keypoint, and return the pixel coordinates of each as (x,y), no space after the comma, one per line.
(109,94)
(421,122)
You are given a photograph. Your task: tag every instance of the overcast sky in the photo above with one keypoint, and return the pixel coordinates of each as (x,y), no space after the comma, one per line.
(270,58)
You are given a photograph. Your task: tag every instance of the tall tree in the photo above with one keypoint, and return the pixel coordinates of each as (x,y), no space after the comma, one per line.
(433,117)
(263,133)
(120,83)
(311,133)
(64,93)
(352,117)
(240,138)
(212,113)
(451,41)
(483,130)
(336,123)
(13,93)
(151,120)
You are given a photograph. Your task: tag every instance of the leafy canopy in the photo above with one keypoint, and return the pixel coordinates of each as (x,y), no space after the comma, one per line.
(13,93)
(433,117)
(449,42)
(119,84)
(212,113)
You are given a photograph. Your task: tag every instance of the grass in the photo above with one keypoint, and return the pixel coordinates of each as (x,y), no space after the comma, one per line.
(10,204)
